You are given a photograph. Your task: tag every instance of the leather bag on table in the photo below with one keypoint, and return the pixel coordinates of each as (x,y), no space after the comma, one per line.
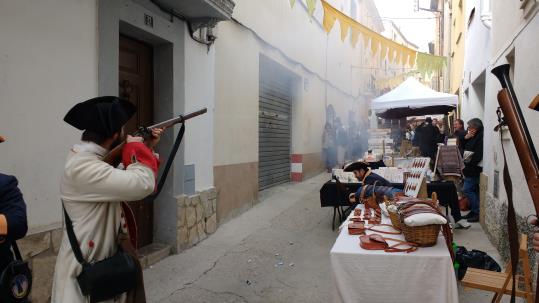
(377,242)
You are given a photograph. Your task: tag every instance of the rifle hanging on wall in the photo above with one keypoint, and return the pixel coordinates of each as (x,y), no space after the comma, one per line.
(514,120)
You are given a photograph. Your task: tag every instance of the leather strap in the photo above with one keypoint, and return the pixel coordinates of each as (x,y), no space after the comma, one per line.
(371,228)
(73,239)
(512,228)
(393,248)
(170,159)
(16,250)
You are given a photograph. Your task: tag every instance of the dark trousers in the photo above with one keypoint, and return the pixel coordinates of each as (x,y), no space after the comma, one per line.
(471,191)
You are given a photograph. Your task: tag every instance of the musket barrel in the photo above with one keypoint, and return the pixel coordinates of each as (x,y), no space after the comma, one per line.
(179,119)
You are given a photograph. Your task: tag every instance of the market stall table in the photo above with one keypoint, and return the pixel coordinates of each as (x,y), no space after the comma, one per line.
(426,275)
(331,195)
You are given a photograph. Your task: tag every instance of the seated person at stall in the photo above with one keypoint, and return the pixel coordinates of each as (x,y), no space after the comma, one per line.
(363,173)
(367,190)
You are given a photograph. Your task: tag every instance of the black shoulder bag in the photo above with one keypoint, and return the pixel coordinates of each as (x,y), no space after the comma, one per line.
(105,279)
(15,279)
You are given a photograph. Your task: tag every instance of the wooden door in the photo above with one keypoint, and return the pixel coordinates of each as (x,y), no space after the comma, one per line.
(136,85)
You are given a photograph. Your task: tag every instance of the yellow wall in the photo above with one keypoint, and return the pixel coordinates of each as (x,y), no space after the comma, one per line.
(458,30)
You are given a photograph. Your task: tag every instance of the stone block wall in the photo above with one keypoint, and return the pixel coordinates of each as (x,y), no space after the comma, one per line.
(495,226)
(40,250)
(197,217)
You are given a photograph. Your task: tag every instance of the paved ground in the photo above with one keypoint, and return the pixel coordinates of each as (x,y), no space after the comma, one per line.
(276,252)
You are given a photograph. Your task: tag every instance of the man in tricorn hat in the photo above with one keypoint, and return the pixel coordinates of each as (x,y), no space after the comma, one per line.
(13,225)
(363,173)
(92,190)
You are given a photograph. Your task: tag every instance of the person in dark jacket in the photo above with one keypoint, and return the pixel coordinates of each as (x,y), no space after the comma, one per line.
(13,225)
(429,137)
(473,158)
(364,174)
(459,133)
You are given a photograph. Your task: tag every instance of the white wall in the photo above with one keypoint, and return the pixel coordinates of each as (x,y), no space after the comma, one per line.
(508,24)
(287,36)
(199,92)
(476,56)
(48,62)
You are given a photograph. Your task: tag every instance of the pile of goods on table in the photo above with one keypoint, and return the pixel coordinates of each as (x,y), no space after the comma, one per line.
(418,219)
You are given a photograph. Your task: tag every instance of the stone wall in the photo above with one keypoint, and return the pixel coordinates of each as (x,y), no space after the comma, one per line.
(495,226)
(197,217)
(40,251)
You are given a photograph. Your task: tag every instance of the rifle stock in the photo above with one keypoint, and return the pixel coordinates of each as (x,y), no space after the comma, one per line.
(115,154)
(519,132)
(514,119)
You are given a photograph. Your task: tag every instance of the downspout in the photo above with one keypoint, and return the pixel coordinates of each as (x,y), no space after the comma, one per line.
(486,14)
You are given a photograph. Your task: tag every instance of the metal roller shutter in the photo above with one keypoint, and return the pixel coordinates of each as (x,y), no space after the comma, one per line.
(274,133)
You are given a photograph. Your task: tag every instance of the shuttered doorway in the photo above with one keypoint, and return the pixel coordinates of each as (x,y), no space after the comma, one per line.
(274,131)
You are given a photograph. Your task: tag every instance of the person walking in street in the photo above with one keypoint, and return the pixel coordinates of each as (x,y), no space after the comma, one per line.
(473,158)
(429,137)
(92,190)
(13,226)
(342,142)
(328,143)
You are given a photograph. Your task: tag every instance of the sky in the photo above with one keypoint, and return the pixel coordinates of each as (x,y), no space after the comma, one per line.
(418,31)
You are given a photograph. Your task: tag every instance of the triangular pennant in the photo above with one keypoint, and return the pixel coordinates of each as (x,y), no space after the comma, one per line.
(344,28)
(375,43)
(329,17)
(292,2)
(311,5)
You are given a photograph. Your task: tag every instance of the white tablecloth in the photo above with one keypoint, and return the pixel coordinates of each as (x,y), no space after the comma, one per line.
(370,276)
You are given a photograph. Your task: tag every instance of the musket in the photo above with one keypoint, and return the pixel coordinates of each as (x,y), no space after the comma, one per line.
(513,118)
(146,132)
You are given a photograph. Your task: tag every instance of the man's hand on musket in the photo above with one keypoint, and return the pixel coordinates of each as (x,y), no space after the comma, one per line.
(150,142)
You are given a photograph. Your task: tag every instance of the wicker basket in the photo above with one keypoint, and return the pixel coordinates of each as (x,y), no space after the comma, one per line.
(395,220)
(423,236)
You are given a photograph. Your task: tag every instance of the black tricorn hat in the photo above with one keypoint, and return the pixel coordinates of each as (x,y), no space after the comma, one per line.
(356,166)
(103,115)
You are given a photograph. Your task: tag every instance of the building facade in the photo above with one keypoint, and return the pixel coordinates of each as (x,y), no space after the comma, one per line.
(268,74)
(277,84)
(513,40)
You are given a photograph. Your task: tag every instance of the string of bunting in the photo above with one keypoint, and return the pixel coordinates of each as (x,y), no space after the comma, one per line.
(395,52)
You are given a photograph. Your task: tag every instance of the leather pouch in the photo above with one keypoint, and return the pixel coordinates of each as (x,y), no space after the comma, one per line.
(356,228)
(377,242)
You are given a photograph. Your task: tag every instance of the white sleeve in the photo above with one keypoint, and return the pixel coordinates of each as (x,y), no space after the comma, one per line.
(97,181)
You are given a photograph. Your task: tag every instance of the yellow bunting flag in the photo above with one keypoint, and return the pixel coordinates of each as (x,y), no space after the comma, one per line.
(311,5)
(344,28)
(388,48)
(329,17)
(292,2)
(428,64)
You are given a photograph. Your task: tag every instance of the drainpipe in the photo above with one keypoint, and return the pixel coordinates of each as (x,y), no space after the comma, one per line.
(486,14)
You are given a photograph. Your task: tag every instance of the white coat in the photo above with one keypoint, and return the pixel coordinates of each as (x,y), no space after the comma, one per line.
(92,191)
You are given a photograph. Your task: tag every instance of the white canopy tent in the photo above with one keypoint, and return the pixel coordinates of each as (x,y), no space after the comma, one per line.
(411,98)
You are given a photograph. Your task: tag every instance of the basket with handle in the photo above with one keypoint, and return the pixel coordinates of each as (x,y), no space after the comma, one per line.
(426,235)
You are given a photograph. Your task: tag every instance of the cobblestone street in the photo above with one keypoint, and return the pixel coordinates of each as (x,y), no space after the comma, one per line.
(276,252)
